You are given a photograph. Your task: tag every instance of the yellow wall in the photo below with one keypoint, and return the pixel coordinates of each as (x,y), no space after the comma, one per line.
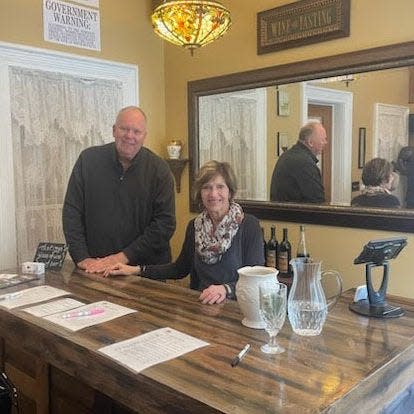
(126,36)
(373,23)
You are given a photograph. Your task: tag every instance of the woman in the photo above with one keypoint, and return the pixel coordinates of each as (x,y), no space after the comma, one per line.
(379,181)
(217,242)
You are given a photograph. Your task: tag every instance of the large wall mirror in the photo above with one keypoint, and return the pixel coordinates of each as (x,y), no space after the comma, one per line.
(251,118)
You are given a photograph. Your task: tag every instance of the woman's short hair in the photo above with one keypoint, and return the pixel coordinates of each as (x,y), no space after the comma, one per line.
(376,172)
(210,170)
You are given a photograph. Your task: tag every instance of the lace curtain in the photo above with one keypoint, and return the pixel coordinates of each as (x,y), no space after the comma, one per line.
(391,135)
(229,132)
(54,116)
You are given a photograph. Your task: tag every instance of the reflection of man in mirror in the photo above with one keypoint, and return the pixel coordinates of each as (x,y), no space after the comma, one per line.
(296,176)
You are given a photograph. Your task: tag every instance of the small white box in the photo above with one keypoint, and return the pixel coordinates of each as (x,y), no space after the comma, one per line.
(34,268)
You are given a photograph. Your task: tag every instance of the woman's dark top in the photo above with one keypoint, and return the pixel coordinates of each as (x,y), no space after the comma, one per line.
(245,250)
(381,200)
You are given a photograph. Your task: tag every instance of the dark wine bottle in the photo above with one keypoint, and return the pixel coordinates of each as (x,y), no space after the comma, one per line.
(302,250)
(264,245)
(272,249)
(285,254)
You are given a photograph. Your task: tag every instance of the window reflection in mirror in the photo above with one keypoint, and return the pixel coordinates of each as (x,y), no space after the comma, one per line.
(251,128)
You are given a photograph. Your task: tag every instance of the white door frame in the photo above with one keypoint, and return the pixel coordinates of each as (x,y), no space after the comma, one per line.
(41,59)
(341,145)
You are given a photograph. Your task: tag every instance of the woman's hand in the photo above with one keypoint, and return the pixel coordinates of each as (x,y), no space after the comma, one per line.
(102,264)
(122,269)
(213,294)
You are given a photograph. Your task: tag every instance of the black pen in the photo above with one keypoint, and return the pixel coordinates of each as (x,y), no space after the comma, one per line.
(239,357)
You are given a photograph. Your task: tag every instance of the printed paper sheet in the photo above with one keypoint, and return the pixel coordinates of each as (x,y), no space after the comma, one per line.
(56,306)
(111,311)
(11,279)
(32,295)
(151,348)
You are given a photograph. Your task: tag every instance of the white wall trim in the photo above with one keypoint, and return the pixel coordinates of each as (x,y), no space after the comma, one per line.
(42,59)
(261,174)
(342,103)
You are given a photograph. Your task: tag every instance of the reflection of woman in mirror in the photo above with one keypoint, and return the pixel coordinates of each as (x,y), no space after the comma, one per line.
(217,242)
(405,166)
(379,180)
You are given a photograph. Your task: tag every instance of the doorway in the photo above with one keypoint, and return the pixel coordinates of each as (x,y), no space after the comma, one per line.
(323,113)
(340,103)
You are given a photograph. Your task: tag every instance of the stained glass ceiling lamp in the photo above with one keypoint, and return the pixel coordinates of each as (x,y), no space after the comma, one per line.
(190,24)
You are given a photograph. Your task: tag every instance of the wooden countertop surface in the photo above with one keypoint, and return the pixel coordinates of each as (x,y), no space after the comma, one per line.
(355,362)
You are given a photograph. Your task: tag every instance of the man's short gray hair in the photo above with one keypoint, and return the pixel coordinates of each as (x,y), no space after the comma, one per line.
(131,108)
(307,130)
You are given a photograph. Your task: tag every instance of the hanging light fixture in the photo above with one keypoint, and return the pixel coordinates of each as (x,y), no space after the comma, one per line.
(189,23)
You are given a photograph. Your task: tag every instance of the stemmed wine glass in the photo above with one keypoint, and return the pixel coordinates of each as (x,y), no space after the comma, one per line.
(273,311)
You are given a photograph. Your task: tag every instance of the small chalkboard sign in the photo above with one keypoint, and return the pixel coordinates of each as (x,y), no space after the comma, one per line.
(51,254)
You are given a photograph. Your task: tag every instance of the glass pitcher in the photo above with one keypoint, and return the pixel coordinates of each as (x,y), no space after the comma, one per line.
(307,304)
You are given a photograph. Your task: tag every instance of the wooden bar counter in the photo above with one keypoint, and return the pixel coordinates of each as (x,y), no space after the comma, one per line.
(356,365)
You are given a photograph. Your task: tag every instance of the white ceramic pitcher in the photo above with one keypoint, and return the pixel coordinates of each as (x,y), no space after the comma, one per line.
(247,292)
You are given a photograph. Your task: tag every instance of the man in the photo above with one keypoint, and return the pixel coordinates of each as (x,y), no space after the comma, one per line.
(119,204)
(296,176)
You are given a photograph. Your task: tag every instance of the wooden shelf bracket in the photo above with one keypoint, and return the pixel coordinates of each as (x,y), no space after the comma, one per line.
(177,168)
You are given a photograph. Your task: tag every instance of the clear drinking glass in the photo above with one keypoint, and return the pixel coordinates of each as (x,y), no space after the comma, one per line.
(273,310)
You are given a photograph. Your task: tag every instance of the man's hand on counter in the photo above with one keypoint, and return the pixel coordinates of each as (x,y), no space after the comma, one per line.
(100,265)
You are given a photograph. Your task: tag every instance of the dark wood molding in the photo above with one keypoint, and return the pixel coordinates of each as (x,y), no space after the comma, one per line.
(385,57)
(368,60)
(411,86)
(177,168)
(338,216)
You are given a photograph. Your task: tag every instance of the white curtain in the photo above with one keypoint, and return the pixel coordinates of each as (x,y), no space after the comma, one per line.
(390,135)
(54,116)
(228,128)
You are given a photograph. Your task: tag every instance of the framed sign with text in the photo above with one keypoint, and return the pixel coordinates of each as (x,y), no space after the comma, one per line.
(51,254)
(283,107)
(301,23)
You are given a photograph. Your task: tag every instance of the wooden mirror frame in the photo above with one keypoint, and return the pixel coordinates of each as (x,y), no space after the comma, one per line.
(367,60)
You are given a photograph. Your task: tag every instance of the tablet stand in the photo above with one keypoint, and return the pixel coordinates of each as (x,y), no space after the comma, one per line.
(375,305)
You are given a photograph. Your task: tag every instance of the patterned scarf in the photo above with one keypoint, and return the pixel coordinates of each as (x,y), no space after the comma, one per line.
(371,190)
(212,245)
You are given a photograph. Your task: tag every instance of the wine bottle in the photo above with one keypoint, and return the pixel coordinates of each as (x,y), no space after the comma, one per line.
(285,254)
(264,245)
(272,249)
(302,251)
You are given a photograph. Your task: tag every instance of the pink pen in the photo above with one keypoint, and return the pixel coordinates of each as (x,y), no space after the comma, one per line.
(90,312)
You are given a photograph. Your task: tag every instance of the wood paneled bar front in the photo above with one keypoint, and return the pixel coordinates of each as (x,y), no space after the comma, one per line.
(356,365)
